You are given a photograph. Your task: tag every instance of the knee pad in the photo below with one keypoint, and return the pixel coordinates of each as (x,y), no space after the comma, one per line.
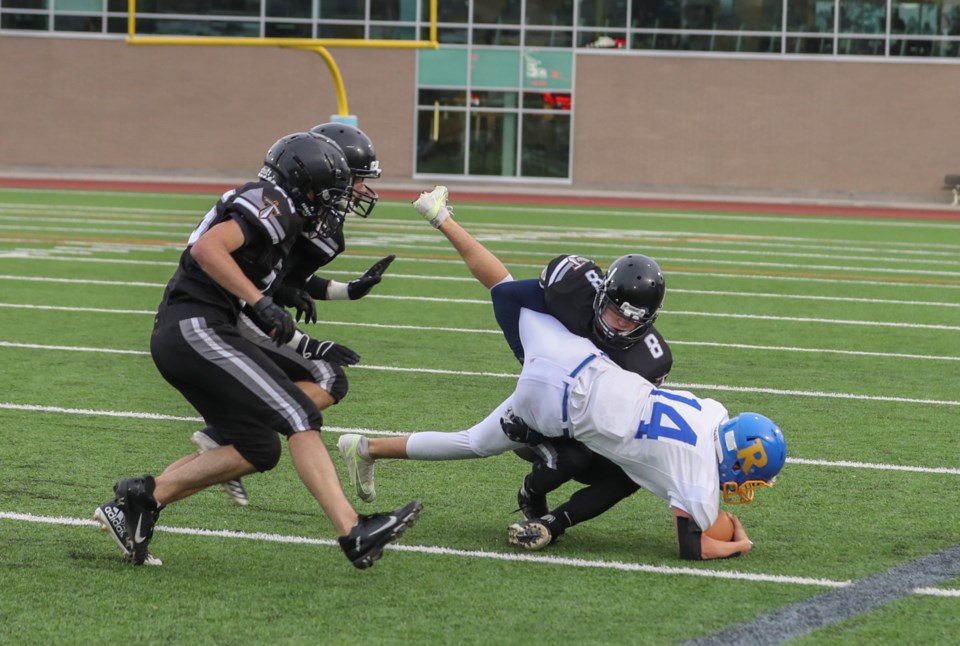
(263,454)
(339,387)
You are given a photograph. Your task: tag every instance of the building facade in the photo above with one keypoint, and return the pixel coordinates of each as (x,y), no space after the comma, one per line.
(831,99)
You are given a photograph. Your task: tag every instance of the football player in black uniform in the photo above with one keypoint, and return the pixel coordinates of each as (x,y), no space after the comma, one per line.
(231,260)
(616,310)
(316,366)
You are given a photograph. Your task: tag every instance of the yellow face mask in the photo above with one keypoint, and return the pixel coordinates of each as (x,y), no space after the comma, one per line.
(741,494)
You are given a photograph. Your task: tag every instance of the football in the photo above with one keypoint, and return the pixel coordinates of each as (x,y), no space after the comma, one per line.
(722,528)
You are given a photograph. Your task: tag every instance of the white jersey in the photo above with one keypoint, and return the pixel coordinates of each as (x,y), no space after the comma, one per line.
(663,439)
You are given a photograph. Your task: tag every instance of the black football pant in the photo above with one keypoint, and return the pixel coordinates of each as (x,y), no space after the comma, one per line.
(556,462)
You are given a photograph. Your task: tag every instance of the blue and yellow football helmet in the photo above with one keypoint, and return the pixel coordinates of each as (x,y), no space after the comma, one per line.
(752,452)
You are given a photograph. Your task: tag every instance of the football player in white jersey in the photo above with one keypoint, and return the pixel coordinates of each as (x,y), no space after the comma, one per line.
(617,311)
(679,447)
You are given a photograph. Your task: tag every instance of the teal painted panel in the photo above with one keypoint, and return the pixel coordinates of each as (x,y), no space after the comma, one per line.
(547,69)
(495,68)
(447,66)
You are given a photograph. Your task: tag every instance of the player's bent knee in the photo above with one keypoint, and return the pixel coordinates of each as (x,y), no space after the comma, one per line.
(263,455)
(338,390)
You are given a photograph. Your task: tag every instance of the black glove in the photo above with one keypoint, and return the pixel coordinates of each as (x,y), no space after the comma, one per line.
(277,320)
(517,430)
(360,287)
(297,298)
(328,351)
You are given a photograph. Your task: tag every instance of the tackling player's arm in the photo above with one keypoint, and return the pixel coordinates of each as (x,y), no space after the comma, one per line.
(698,545)
(212,252)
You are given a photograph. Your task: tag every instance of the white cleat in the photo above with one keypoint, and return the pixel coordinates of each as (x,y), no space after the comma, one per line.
(530,534)
(433,206)
(234,488)
(356,454)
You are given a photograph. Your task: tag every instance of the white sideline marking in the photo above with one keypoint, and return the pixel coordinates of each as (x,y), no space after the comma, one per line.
(674,384)
(33,254)
(704,344)
(507,375)
(498,556)
(370,431)
(482,301)
(757,317)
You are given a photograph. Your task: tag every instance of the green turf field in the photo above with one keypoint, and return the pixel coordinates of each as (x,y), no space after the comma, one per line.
(845,330)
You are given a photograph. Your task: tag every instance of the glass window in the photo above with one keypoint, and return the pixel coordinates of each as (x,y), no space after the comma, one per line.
(447,10)
(326,30)
(78,23)
(544,69)
(446,35)
(488,99)
(177,27)
(548,38)
(26,4)
(602,40)
(441,138)
(498,36)
(546,101)
(495,68)
(545,145)
(392,32)
(656,14)
(496,12)
(493,143)
(340,9)
(434,98)
(603,13)
(810,15)
(287,30)
(210,7)
(405,10)
(810,45)
(860,47)
(557,13)
(446,66)
(863,17)
(921,17)
(23,21)
(287,9)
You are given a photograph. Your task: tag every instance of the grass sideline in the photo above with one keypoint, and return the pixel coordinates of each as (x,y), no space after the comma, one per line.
(843,329)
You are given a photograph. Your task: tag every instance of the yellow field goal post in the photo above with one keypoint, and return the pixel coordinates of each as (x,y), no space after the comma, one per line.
(318,45)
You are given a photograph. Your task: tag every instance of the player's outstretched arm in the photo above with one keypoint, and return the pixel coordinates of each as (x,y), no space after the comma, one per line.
(481,262)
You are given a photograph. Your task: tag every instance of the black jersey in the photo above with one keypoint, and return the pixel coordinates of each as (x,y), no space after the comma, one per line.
(270,226)
(570,285)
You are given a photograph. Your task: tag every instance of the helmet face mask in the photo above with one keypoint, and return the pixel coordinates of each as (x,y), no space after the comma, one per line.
(361,158)
(312,171)
(751,451)
(633,289)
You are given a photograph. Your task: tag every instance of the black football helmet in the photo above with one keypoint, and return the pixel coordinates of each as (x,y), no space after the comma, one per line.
(313,171)
(634,287)
(362,159)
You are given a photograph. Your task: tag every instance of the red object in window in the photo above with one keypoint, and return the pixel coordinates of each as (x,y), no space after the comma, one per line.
(560,101)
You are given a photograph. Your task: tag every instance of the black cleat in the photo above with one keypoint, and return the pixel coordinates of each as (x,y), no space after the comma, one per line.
(365,542)
(135,499)
(111,520)
(531,505)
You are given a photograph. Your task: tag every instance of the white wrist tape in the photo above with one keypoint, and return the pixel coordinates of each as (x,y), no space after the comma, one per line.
(337,291)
